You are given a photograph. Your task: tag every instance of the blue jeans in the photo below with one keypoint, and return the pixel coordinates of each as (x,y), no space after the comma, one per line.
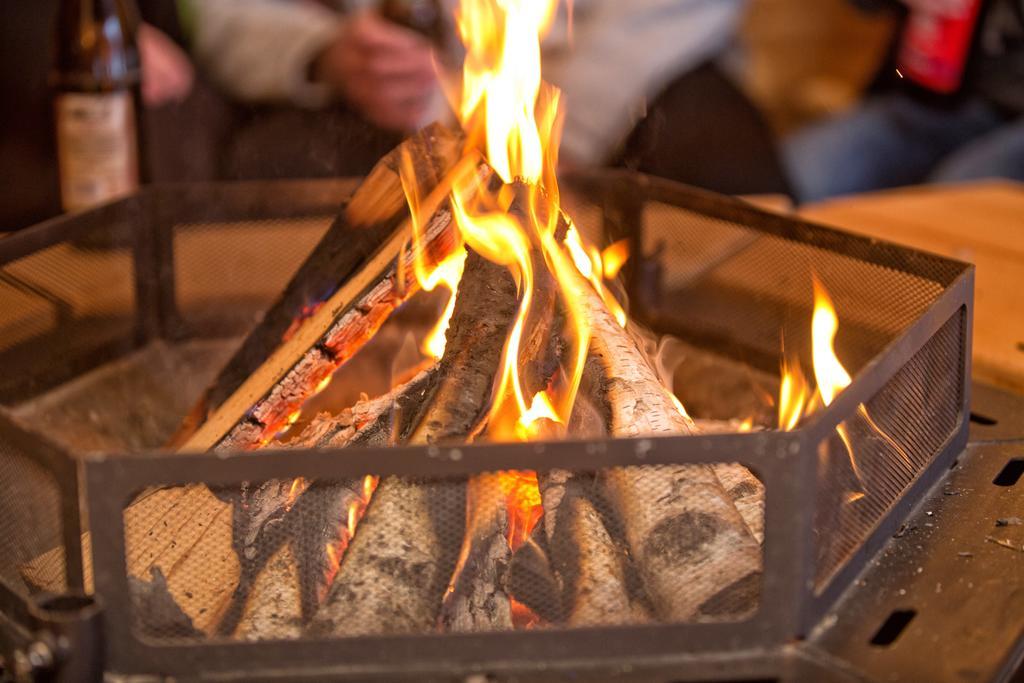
(893,140)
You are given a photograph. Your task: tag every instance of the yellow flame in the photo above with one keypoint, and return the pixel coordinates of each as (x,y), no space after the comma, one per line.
(614,257)
(794,394)
(829,373)
(501,80)
(591,265)
(353,519)
(540,408)
(508,111)
(679,406)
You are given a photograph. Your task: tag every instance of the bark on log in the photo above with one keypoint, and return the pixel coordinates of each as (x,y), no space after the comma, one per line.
(274,610)
(589,566)
(294,523)
(747,493)
(745,489)
(330,337)
(478,599)
(373,213)
(394,573)
(694,553)
(182,529)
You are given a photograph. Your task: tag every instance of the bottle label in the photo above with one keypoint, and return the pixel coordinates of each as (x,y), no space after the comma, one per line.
(96,148)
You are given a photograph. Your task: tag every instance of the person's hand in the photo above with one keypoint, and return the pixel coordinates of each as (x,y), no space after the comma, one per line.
(167,74)
(944,8)
(385,71)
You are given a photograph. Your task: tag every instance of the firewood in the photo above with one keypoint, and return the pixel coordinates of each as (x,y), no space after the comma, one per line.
(532,581)
(372,214)
(394,573)
(340,327)
(747,493)
(477,598)
(694,552)
(274,609)
(589,566)
(177,529)
(283,532)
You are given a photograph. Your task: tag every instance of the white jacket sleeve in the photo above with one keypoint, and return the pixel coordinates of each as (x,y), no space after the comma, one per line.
(261,50)
(623,52)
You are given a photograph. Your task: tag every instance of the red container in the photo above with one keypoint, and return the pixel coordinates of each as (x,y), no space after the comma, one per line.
(935,47)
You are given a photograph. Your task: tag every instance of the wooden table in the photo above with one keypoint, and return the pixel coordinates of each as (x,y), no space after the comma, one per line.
(982,223)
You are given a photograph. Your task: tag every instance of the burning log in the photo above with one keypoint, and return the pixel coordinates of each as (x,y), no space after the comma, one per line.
(395,571)
(477,597)
(177,529)
(349,319)
(289,534)
(694,553)
(375,212)
(589,567)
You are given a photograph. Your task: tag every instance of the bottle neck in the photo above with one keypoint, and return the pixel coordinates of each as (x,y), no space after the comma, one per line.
(95,47)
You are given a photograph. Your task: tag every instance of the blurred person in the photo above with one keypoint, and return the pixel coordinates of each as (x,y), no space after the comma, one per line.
(908,132)
(330,89)
(642,88)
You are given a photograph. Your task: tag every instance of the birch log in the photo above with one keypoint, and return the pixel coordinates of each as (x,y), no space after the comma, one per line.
(695,555)
(395,572)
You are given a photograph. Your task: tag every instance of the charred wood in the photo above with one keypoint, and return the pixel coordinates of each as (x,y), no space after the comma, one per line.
(291,534)
(375,211)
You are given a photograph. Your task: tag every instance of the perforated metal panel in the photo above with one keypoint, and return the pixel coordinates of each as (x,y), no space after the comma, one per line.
(498,551)
(733,282)
(30,523)
(878,452)
(236,268)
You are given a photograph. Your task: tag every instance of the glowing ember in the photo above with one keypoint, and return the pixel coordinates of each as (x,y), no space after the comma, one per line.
(522,616)
(308,311)
(522,497)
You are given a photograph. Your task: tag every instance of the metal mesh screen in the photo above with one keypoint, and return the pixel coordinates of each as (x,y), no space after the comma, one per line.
(497,551)
(63,307)
(30,524)
(748,292)
(879,451)
(235,269)
(129,404)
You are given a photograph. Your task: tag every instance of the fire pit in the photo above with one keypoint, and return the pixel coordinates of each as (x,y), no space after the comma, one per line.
(108,349)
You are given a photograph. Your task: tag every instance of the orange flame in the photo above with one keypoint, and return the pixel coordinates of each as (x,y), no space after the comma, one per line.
(614,257)
(831,377)
(523,503)
(794,394)
(513,118)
